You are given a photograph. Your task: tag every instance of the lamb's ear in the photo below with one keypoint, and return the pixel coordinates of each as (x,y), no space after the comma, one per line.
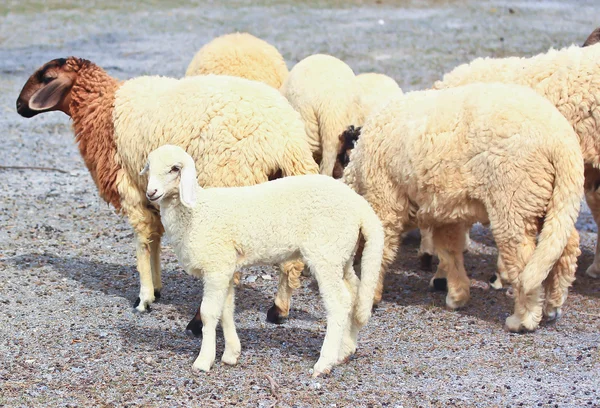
(187,186)
(145,169)
(51,95)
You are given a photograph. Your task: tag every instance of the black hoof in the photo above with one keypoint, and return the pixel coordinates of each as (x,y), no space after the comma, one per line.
(375,307)
(426,262)
(194,327)
(137,302)
(156,294)
(274,315)
(440,284)
(493,279)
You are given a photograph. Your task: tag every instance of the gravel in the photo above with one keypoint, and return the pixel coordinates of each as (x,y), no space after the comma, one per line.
(68,332)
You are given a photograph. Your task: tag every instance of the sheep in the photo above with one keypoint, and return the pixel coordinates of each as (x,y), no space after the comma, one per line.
(375,90)
(240,132)
(593,38)
(570,79)
(242,55)
(483,152)
(316,218)
(324,90)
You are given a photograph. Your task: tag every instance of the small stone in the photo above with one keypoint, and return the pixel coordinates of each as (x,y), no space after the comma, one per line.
(266,277)
(251,278)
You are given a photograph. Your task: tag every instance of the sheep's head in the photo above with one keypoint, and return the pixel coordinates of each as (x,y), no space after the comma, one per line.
(593,38)
(171,172)
(348,140)
(48,89)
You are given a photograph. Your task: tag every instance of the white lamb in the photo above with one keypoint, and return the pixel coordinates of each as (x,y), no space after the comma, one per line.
(316,218)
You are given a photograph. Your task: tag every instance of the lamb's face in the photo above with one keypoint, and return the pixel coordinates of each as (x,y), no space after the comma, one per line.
(171,172)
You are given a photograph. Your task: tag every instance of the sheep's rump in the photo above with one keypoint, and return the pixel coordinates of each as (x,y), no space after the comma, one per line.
(240,132)
(453,153)
(242,55)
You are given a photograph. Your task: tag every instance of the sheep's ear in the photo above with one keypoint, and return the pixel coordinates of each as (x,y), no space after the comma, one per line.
(145,169)
(51,95)
(187,186)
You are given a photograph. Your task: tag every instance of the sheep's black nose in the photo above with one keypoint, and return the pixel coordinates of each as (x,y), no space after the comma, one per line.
(19,104)
(151,194)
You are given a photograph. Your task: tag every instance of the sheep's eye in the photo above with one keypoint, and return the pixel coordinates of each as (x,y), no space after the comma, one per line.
(48,79)
(175,169)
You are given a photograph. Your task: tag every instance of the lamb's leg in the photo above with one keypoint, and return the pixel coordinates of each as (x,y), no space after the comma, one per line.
(233,347)
(351,332)
(449,241)
(338,303)
(216,286)
(557,283)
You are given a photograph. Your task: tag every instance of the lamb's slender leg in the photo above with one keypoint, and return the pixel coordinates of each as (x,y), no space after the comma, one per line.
(338,303)
(233,347)
(449,240)
(556,285)
(216,286)
(351,332)
(592,197)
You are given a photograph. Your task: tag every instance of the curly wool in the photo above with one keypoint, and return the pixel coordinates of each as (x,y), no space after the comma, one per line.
(483,152)
(242,55)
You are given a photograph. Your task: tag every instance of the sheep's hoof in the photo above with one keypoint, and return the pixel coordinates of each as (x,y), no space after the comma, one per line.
(319,372)
(275,315)
(516,325)
(440,284)
(496,282)
(202,366)
(426,262)
(592,271)
(156,294)
(231,357)
(456,303)
(194,328)
(553,314)
(139,306)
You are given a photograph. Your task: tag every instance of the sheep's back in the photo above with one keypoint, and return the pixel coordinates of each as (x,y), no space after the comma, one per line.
(235,129)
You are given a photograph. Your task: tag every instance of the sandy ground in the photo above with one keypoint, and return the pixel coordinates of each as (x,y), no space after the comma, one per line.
(68,333)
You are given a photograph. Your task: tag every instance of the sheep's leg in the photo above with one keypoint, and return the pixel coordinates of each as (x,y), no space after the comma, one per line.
(351,332)
(449,240)
(146,296)
(233,347)
(216,286)
(499,280)
(515,247)
(556,285)
(155,265)
(338,303)
(592,198)
(390,248)
(289,279)
(426,250)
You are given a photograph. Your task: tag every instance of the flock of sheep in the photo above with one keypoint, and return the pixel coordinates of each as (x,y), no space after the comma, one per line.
(512,143)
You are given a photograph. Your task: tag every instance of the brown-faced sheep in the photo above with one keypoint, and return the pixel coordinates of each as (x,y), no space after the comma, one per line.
(240,132)
(483,152)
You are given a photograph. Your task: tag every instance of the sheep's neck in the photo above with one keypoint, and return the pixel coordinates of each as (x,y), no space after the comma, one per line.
(91,108)
(175,218)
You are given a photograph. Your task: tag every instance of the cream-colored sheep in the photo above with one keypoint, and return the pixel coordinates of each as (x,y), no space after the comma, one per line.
(375,90)
(570,79)
(240,132)
(484,152)
(316,218)
(323,89)
(242,55)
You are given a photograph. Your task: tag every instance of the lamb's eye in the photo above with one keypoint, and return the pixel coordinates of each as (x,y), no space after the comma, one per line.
(175,169)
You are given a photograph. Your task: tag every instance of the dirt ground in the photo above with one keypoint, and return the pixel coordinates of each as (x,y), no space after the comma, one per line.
(68,332)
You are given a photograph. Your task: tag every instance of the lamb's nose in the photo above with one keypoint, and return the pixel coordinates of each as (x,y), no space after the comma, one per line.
(151,194)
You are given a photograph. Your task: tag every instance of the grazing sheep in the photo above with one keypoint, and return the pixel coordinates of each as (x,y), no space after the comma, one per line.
(323,89)
(570,79)
(241,55)
(483,152)
(316,218)
(375,90)
(240,132)
(593,38)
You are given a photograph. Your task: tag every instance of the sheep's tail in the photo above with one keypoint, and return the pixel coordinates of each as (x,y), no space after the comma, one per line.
(297,159)
(561,215)
(372,257)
